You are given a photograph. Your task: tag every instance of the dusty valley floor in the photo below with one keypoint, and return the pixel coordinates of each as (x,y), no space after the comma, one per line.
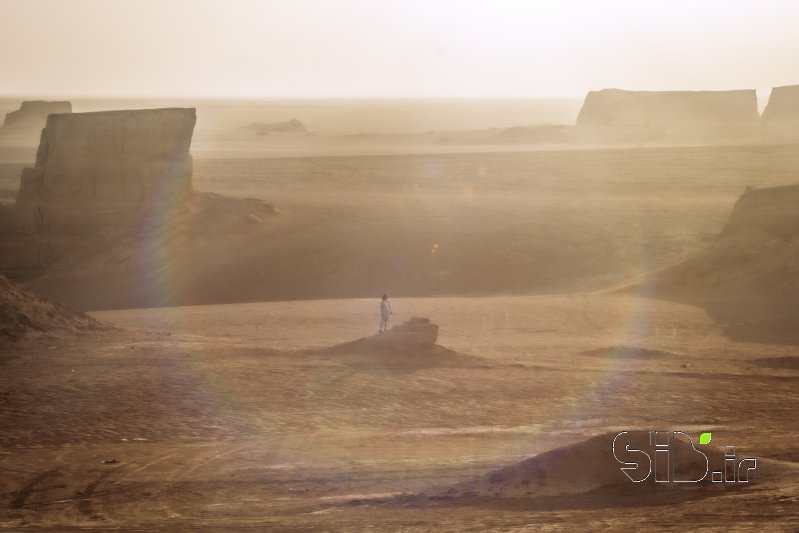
(215,403)
(230,417)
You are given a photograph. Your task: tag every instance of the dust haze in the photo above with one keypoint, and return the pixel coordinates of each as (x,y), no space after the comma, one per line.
(192,285)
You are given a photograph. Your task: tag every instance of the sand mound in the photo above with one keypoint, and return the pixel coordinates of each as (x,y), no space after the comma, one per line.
(411,344)
(587,474)
(575,469)
(22,311)
(629,352)
(416,334)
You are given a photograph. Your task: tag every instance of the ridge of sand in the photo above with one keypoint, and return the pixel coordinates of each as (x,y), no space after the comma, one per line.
(747,278)
(586,474)
(23,311)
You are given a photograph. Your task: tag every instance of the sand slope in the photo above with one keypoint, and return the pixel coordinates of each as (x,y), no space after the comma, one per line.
(362,226)
(589,465)
(747,279)
(234,417)
(23,311)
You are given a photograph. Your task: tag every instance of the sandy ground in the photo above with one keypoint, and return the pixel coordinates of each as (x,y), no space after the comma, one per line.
(219,417)
(216,421)
(435,225)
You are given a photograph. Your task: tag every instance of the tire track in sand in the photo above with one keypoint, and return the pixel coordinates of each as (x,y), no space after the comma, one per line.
(19,501)
(202,460)
(109,513)
(85,503)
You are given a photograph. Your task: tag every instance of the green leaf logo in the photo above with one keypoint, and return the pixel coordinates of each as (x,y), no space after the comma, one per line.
(704,438)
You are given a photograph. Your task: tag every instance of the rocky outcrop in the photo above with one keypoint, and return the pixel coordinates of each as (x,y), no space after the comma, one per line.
(756,252)
(95,173)
(410,346)
(645,115)
(416,332)
(748,279)
(108,169)
(32,115)
(414,335)
(763,214)
(781,117)
(292,127)
(783,104)
(615,107)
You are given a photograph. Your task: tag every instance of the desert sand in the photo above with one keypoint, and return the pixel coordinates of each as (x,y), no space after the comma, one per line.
(512,223)
(219,368)
(241,417)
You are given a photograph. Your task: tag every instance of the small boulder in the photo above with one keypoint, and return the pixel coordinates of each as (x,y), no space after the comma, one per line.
(417,331)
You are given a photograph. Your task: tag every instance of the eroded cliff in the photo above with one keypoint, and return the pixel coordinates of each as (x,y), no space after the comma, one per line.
(614,114)
(32,114)
(748,278)
(780,119)
(106,169)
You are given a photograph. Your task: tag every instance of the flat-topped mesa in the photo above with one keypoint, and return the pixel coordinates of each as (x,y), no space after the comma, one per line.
(32,114)
(783,104)
(664,113)
(781,116)
(105,170)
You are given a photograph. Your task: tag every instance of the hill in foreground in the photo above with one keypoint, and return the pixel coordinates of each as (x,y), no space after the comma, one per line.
(588,474)
(23,311)
(747,279)
(408,346)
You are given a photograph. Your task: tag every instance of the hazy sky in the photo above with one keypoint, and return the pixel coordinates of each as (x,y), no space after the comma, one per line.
(394,48)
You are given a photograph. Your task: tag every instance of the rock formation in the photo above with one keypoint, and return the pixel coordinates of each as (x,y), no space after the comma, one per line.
(765,214)
(107,169)
(783,104)
(410,346)
(781,117)
(95,173)
(415,335)
(748,279)
(292,127)
(756,251)
(31,115)
(417,332)
(645,115)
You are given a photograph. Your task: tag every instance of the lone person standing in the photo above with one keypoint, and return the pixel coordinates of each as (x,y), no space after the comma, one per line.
(385,312)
